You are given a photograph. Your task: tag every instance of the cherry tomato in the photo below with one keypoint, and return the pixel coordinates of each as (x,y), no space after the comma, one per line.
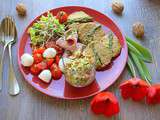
(39,50)
(37,58)
(62,16)
(56,72)
(49,62)
(59,50)
(42,65)
(57,59)
(34,69)
(52,44)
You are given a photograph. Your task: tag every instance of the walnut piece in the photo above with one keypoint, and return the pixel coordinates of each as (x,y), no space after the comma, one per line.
(138,29)
(21,9)
(117,7)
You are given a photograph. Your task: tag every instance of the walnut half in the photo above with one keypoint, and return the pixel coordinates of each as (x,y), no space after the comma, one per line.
(138,29)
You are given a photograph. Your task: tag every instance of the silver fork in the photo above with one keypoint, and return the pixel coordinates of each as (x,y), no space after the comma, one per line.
(10,34)
(4,48)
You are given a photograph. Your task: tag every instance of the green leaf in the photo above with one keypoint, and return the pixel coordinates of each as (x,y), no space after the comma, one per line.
(133,49)
(131,67)
(146,71)
(145,53)
(141,68)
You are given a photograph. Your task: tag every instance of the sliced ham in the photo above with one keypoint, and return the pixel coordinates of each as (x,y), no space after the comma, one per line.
(69,41)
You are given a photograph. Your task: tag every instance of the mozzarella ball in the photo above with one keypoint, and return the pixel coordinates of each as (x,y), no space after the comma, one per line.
(27,60)
(45,76)
(63,62)
(49,53)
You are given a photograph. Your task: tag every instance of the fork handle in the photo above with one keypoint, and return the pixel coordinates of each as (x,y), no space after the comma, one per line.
(1,67)
(13,88)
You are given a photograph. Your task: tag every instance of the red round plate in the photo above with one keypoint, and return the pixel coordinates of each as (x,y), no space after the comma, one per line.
(61,89)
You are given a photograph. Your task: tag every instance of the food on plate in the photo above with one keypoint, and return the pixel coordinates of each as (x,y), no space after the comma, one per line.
(56,72)
(21,9)
(49,61)
(111,41)
(62,16)
(138,29)
(90,54)
(73,26)
(79,50)
(27,60)
(117,7)
(52,44)
(57,59)
(45,76)
(35,69)
(102,52)
(89,32)
(80,72)
(62,63)
(49,53)
(73,45)
(37,58)
(39,50)
(42,65)
(79,16)
(69,40)
(46,28)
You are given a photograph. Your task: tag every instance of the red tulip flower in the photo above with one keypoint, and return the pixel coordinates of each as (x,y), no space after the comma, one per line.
(153,96)
(134,88)
(105,103)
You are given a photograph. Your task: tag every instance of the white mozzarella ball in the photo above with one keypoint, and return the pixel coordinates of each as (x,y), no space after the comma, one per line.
(49,53)
(27,60)
(63,62)
(45,76)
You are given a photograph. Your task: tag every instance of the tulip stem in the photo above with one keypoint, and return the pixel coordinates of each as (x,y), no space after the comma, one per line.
(148,81)
(131,66)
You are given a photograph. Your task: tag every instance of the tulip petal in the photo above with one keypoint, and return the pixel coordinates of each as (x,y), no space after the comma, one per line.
(153,96)
(105,103)
(134,88)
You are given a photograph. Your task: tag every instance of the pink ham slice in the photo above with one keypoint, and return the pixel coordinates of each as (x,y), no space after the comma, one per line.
(69,41)
(69,44)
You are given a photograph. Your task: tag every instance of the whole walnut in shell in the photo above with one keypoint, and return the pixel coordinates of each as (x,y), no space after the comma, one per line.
(138,29)
(117,7)
(21,9)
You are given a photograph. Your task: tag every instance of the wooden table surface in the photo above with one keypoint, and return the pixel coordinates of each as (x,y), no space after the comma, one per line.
(33,105)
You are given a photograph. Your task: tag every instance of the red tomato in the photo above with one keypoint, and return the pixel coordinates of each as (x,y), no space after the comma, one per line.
(52,44)
(49,62)
(42,65)
(57,59)
(37,58)
(62,16)
(34,69)
(39,50)
(56,72)
(59,50)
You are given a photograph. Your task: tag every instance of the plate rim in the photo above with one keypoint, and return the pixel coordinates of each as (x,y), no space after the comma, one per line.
(73,98)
